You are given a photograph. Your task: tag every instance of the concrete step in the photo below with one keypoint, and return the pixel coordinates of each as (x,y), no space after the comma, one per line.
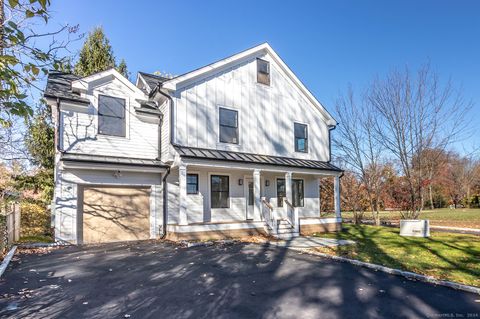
(287,235)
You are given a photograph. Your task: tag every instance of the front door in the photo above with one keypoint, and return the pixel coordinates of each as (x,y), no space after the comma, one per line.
(249,198)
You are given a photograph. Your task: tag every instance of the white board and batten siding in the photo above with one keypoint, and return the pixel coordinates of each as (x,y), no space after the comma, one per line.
(80,126)
(266,113)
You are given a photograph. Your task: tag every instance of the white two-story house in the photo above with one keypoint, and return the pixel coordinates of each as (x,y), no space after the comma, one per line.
(234,148)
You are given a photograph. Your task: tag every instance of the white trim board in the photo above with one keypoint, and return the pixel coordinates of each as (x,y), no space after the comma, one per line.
(214,227)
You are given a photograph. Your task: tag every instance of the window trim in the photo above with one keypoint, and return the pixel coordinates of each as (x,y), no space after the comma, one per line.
(307,144)
(290,199)
(96,105)
(211,175)
(219,125)
(303,191)
(269,72)
(198,182)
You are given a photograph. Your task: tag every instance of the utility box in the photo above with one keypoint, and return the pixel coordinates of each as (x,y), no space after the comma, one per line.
(415,228)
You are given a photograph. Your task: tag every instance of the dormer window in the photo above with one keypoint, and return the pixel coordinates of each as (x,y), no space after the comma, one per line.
(263,72)
(111,116)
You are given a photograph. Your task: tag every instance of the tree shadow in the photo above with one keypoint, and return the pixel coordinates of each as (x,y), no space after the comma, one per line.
(161,279)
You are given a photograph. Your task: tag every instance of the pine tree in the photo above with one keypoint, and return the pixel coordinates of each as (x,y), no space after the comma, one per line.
(96,54)
(122,68)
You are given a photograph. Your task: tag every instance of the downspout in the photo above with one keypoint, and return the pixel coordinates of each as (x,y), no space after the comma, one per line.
(160,123)
(165,200)
(330,129)
(171,109)
(164,180)
(57,140)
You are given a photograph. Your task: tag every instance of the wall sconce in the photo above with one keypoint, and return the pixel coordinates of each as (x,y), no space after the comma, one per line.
(267,182)
(240,181)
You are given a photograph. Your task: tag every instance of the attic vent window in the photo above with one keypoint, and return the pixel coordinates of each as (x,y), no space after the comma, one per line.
(263,72)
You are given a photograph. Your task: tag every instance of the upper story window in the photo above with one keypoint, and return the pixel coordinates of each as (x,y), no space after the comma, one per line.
(111,116)
(263,72)
(301,137)
(228,126)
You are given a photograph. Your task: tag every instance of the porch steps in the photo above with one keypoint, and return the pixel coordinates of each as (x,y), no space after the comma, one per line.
(285,230)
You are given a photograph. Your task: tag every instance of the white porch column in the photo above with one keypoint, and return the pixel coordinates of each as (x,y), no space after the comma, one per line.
(288,186)
(182,184)
(336,194)
(256,194)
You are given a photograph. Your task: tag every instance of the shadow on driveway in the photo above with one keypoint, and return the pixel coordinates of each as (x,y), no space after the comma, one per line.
(156,279)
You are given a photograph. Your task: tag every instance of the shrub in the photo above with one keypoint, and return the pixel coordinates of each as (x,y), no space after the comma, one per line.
(35,220)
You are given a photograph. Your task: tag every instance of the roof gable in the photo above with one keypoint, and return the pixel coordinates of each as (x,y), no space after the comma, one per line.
(203,72)
(82,84)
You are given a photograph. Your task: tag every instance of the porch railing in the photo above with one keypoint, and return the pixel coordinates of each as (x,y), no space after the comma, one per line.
(269,216)
(292,214)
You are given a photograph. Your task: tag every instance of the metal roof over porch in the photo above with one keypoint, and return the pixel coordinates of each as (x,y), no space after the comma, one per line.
(239,157)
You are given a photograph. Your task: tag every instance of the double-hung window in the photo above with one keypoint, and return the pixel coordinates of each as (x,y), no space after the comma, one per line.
(219,191)
(297,192)
(301,137)
(263,72)
(192,183)
(111,116)
(228,120)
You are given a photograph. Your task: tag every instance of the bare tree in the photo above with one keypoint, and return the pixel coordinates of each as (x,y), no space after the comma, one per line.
(413,114)
(357,147)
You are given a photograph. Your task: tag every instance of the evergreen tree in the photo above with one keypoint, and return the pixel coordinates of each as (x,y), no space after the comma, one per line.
(40,144)
(96,54)
(122,68)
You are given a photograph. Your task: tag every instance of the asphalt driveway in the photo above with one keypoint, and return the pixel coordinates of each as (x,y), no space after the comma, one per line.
(162,280)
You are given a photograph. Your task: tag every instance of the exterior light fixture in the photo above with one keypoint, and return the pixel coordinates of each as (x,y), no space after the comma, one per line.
(267,182)
(240,181)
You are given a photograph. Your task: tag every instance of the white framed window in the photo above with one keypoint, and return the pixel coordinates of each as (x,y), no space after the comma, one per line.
(219,191)
(300,132)
(111,116)
(263,72)
(228,131)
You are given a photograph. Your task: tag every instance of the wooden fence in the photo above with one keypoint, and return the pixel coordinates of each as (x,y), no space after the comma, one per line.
(9,224)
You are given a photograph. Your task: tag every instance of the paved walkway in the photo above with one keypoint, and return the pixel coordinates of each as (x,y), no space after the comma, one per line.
(312,242)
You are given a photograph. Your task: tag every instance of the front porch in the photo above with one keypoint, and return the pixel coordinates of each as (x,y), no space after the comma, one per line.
(223,199)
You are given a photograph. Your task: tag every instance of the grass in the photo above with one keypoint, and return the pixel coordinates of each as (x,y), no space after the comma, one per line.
(460,217)
(35,239)
(454,257)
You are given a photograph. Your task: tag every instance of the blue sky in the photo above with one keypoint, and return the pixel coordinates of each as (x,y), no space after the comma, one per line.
(328,44)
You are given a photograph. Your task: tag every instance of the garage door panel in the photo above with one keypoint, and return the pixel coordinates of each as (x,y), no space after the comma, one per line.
(115,214)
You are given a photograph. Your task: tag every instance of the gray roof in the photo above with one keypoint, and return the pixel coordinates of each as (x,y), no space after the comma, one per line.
(152,79)
(147,107)
(209,154)
(112,160)
(59,85)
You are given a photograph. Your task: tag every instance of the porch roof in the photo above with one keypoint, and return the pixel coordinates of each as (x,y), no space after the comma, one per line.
(230,156)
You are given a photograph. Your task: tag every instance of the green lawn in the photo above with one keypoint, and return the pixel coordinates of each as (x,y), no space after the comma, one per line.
(454,257)
(459,217)
(35,239)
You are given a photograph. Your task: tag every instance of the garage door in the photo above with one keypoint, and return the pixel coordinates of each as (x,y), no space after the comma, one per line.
(115,214)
